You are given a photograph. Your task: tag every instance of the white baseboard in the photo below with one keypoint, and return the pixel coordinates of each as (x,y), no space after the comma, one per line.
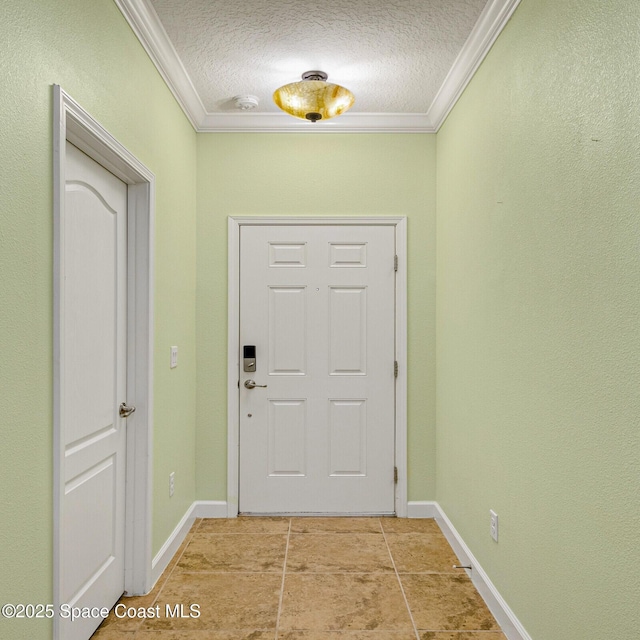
(199,509)
(511,626)
(210,508)
(170,547)
(422,509)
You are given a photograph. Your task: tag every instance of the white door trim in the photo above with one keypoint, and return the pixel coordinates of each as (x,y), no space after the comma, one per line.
(233,360)
(74,124)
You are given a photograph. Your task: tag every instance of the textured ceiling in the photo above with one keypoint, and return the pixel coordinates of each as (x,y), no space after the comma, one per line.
(406,61)
(393,55)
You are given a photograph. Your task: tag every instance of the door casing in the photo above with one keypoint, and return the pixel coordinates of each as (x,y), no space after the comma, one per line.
(233,351)
(74,124)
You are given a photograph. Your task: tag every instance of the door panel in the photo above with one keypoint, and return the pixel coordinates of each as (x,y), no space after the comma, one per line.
(93,384)
(347,331)
(287,331)
(348,437)
(318,302)
(287,437)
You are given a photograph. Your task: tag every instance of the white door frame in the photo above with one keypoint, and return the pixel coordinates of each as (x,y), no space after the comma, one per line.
(74,124)
(233,351)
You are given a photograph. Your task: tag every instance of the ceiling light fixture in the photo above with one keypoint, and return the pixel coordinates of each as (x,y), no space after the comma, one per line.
(314,98)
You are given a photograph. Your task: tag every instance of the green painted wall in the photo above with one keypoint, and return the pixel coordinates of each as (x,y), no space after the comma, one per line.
(538,310)
(87,48)
(311,174)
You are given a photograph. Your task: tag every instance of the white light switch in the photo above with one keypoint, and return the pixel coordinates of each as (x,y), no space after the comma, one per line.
(174,357)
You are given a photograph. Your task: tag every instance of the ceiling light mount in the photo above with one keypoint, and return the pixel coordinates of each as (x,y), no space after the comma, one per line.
(315,75)
(313,98)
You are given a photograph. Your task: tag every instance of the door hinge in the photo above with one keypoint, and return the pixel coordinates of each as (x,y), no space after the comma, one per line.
(395,475)
(395,369)
(395,263)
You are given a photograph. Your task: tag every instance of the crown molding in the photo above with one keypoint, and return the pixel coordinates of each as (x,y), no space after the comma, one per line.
(145,23)
(491,22)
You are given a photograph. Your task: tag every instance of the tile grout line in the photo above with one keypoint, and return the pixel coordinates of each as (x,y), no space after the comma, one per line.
(404,595)
(284,573)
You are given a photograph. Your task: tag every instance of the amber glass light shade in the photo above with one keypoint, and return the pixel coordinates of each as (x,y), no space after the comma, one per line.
(313,99)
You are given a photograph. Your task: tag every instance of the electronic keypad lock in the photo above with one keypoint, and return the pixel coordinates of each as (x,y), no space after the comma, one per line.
(249,358)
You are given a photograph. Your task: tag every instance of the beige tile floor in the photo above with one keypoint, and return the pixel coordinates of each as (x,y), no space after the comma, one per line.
(312,579)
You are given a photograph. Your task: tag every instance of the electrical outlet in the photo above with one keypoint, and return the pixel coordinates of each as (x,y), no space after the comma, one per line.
(174,357)
(494,524)
(172,483)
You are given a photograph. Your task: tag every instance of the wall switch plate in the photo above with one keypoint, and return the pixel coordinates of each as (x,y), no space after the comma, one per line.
(174,357)
(494,524)
(172,483)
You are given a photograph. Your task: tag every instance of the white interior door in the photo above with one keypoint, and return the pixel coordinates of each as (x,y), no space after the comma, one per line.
(93,353)
(318,304)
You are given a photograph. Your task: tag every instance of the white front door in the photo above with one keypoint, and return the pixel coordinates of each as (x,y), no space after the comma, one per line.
(318,305)
(93,384)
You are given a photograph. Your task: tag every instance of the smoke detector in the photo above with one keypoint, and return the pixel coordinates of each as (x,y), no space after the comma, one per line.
(246,103)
